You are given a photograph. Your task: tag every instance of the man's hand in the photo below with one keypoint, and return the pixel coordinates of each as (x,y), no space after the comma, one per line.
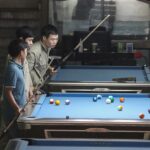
(19,110)
(52,69)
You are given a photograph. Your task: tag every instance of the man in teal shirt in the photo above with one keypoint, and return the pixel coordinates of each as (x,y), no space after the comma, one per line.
(14,97)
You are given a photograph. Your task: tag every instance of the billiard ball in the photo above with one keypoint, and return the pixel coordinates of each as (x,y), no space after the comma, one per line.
(94,99)
(108,101)
(141,116)
(148,110)
(67,117)
(121,99)
(57,102)
(67,101)
(51,101)
(111,98)
(99,96)
(120,107)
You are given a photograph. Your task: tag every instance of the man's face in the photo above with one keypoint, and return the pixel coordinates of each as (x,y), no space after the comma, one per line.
(51,41)
(29,41)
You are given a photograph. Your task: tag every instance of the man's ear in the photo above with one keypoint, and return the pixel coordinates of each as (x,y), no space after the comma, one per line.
(44,38)
(22,51)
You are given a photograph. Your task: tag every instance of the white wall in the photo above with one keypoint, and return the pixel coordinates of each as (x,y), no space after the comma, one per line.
(66,9)
(126,10)
(132,10)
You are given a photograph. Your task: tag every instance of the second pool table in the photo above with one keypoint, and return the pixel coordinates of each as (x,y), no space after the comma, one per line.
(102,78)
(74,144)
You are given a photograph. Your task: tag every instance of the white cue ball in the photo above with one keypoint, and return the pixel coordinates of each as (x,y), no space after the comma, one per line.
(108,101)
(67,101)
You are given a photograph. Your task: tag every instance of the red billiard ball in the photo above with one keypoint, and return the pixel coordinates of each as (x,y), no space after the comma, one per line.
(141,116)
(51,101)
(121,99)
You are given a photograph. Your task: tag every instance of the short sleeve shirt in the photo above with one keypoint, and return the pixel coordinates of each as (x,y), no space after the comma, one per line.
(14,78)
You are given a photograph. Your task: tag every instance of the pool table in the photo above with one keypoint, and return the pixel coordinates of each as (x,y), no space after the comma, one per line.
(74,144)
(100,78)
(84,113)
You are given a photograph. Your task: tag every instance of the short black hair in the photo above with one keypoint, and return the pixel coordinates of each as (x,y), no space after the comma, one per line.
(48,29)
(15,47)
(24,32)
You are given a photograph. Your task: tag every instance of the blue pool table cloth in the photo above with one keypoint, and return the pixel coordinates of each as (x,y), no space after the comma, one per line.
(82,106)
(100,73)
(78,144)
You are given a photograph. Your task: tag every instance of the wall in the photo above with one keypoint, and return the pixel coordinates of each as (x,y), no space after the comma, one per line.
(14,14)
(132,10)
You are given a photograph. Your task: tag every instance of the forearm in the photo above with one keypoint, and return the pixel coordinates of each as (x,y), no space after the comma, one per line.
(11,99)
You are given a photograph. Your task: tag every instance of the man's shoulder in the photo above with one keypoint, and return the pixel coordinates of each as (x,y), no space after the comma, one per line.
(36,47)
(12,68)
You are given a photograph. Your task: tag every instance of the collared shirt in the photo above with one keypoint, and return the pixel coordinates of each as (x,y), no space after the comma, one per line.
(14,78)
(38,58)
(27,76)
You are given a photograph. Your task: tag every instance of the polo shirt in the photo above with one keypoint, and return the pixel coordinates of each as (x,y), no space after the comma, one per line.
(14,77)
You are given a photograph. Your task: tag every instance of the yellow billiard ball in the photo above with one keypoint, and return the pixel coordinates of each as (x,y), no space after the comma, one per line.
(120,107)
(57,102)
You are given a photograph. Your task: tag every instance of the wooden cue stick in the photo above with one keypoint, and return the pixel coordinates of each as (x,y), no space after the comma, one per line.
(78,45)
(4,131)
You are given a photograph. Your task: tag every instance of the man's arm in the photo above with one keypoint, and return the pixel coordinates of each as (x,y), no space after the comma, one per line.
(35,75)
(11,99)
(31,58)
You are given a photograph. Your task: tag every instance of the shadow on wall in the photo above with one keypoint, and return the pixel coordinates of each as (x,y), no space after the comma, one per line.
(82,9)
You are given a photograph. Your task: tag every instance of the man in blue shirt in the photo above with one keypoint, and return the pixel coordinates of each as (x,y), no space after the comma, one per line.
(14,97)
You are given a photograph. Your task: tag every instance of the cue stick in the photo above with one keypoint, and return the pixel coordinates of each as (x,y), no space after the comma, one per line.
(84,39)
(4,131)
